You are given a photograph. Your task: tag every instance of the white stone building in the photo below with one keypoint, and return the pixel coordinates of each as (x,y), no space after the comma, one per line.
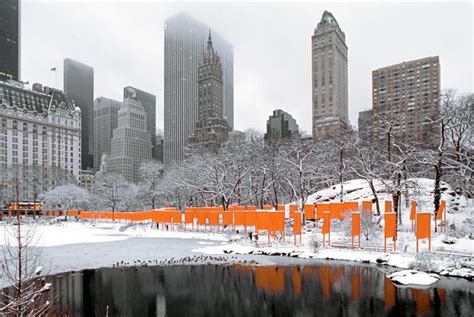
(40,132)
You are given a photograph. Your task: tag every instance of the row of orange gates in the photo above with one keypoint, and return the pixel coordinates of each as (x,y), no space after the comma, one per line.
(273,221)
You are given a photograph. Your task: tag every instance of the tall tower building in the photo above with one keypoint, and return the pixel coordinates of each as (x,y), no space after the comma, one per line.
(329,72)
(211,130)
(105,121)
(407,95)
(185,41)
(131,143)
(148,102)
(281,125)
(10,38)
(79,87)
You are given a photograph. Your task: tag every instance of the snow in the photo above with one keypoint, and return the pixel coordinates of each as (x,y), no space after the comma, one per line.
(75,232)
(76,245)
(413,277)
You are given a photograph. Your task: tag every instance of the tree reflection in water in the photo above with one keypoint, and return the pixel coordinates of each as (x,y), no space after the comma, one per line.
(213,290)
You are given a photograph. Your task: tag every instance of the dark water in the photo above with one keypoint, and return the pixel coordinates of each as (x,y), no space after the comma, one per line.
(212,290)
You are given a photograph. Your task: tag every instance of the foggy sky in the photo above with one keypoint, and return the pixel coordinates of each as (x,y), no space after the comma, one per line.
(123,42)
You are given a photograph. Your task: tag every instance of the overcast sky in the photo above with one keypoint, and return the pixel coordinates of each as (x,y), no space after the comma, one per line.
(123,42)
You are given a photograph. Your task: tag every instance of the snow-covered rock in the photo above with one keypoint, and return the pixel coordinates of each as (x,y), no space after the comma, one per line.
(413,277)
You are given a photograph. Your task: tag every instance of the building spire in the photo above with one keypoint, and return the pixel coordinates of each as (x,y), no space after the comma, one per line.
(210,49)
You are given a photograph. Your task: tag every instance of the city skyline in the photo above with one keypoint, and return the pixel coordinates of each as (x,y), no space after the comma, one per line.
(272,59)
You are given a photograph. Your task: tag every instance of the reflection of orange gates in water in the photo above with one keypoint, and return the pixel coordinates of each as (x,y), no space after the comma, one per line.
(422,299)
(270,278)
(389,293)
(355,283)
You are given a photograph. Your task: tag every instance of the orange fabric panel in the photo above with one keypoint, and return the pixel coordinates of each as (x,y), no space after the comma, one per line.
(423,225)
(214,218)
(250,207)
(263,221)
(188,216)
(326,222)
(239,218)
(207,212)
(293,208)
(267,207)
(166,217)
(177,216)
(390,225)
(281,207)
(389,293)
(201,216)
(73,213)
(388,206)
(413,210)
(251,219)
(334,209)
(297,223)
(367,206)
(351,206)
(278,221)
(439,214)
(320,209)
(355,224)
(309,210)
(227,218)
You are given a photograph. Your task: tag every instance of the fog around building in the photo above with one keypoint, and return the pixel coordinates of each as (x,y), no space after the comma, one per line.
(123,42)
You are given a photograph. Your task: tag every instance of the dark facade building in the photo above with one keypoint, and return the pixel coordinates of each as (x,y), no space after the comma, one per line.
(281,125)
(365,124)
(330,79)
(105,122)
(79,87)
(185,41)
(211,130)
(148,102)
(10,38)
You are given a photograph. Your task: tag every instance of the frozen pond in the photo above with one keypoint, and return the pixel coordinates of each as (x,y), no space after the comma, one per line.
(296,288)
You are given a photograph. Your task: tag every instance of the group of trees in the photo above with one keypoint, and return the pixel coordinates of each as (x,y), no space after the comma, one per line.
(257,171)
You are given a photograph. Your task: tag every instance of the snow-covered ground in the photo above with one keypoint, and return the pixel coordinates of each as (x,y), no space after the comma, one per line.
(76,245)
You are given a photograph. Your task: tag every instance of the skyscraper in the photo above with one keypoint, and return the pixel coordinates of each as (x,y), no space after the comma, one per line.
(148,102)
(105,121)
(407,95)
(79,87)
(281,125)
(131,143)
(185,42)
(10,37)
(211,130)
(329,72)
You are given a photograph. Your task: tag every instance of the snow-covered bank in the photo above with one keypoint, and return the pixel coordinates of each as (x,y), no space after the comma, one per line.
(446,267)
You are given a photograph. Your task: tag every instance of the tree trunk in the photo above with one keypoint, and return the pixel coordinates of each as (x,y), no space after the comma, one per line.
(376,197)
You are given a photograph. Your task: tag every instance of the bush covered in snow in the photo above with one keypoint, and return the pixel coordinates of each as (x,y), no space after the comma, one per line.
(423,262)
(315,243)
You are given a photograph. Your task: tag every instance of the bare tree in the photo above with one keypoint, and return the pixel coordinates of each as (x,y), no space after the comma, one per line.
(151,174)
(27,295)
(66,197)
(367,166)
